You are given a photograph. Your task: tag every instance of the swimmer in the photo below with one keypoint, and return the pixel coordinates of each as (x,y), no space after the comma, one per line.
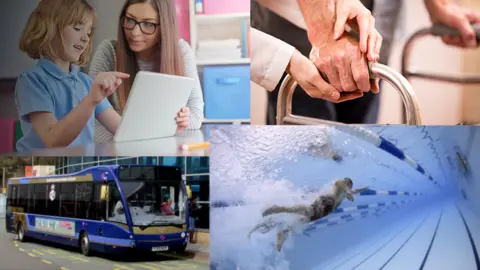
(321,207)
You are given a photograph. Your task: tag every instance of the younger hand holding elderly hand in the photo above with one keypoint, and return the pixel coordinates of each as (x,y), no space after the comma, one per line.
(183,118)
(306,74)
(341,58)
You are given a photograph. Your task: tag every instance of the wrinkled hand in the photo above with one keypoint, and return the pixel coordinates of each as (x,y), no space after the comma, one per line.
(105,84)
(458,18)
(343,59)
(344,65)
(183,118)
(306,74)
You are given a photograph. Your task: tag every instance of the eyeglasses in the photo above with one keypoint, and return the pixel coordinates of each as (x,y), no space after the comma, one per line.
(147,28)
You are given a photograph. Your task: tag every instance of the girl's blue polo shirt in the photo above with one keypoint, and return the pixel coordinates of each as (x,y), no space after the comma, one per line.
(47,88)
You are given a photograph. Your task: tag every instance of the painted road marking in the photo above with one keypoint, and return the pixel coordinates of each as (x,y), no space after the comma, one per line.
(183,258)
(76,259)
(187,263)
(163,267)
(38,252)
(146,266)
(174,265)
(122,267)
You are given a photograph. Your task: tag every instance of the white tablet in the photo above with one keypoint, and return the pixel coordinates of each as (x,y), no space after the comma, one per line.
(151,108)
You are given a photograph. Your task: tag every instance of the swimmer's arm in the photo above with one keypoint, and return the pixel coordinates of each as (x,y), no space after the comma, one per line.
(110,119)
(356,191)
(61,133)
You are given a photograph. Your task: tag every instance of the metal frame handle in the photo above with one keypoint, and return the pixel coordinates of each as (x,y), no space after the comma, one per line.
(436,30)
(400,83)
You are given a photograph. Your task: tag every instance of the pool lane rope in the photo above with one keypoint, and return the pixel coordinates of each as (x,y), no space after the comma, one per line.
(371,192)
(382,143)
(328,222)
(368,192)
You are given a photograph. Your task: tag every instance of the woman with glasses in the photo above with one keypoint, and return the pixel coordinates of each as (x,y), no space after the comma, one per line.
(148,40)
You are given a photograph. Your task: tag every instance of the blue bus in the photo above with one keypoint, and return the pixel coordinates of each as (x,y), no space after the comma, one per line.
(113,208)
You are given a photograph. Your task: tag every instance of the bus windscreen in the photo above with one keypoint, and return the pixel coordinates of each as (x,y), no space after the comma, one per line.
(154,195)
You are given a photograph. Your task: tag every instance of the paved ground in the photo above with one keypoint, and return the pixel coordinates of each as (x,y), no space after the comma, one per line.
(41,256)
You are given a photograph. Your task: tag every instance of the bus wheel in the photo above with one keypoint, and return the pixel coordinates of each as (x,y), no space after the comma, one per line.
(20,233)
(85,244)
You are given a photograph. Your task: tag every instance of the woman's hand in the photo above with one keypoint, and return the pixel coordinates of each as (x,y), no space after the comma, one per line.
(183,118)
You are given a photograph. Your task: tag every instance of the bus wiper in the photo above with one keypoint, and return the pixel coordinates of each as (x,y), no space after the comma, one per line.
(164,223)
(143,227)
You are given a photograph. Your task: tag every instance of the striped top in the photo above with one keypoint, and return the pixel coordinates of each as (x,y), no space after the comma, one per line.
(104,60)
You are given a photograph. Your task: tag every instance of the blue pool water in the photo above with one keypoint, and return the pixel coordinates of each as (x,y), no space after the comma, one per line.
(421,214)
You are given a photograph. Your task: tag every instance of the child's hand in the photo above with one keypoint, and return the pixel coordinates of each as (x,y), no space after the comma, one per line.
(105,84)
(182,119)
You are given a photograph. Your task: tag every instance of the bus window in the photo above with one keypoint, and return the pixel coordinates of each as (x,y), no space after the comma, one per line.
(22,197)
(30,202)
(115,206)
(67,200)
(12,195)
(99,206)
(83,198)
(53,204)
(40,201)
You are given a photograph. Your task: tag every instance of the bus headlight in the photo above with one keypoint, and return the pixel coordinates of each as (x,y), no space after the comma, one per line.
(183,234)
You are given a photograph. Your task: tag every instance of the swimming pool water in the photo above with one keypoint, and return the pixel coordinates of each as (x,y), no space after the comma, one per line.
(404,221)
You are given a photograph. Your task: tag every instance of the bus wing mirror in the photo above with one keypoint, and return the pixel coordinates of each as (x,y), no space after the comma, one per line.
(189,192)
(104,192)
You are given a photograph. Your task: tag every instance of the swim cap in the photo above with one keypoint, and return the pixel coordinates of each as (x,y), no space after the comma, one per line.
(349,181)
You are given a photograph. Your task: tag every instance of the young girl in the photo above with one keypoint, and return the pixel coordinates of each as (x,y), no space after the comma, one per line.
(57,104)
(148,40)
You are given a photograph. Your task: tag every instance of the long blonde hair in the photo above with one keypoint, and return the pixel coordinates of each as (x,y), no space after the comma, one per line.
(40,38)
(170,59)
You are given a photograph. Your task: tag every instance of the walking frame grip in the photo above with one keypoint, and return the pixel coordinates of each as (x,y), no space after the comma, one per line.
(376,70)
(436,30)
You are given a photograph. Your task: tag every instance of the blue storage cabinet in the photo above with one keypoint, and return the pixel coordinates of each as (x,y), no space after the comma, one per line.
(226,92)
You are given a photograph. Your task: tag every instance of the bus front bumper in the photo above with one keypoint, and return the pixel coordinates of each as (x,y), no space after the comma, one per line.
(161,243)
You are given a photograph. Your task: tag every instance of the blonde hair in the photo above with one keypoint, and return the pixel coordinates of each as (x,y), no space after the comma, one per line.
(169,55)
(46,24)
